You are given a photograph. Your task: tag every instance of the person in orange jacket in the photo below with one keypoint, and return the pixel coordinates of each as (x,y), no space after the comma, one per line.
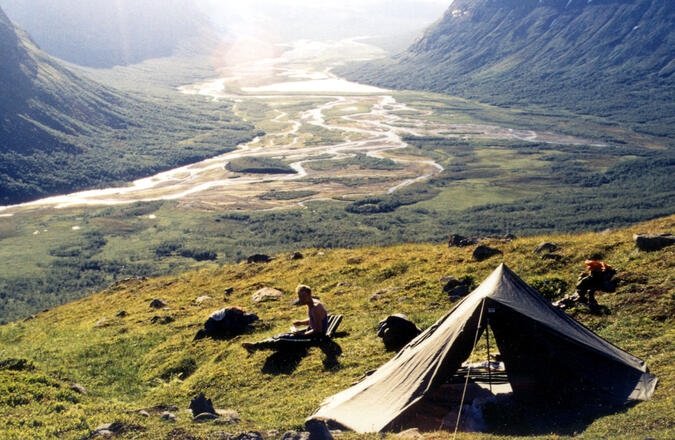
(598,276)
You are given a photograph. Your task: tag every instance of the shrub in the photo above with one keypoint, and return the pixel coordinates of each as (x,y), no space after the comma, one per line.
(550,288)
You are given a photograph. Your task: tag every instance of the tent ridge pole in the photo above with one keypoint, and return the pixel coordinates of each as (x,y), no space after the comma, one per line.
(487,341)
(468,369)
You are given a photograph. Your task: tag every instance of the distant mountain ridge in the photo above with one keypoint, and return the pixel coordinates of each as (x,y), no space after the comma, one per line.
(613,58)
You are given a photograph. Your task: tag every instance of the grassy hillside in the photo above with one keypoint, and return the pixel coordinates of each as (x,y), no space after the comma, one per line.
(128,362)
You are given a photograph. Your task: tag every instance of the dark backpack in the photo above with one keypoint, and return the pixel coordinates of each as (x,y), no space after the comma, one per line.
(396,331)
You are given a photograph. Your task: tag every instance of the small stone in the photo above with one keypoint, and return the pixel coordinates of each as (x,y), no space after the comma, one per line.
(296,256)
(79,389)
(157,303)
(374,297)
(546,247)
(162,319)
(109,429)
(410,434)
(317,430)
(162,408)
(101,322)
(295,435)
(202,299)
(460,241)
(259,258)
(170,417)
(266,294)
(206,416)
(450,283)
(251,435)
(459,291)
(121,314)
(483,252)
(228,415)
(229,291)
(143,413)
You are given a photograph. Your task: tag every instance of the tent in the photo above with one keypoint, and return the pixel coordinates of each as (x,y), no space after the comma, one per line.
(547,354)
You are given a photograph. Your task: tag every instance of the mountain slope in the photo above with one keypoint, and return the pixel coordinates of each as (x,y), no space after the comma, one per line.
(609,58)
(101,33)
(60,131)
(39,97)
(145,357)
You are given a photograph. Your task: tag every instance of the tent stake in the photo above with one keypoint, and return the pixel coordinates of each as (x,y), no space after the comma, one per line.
(468,370)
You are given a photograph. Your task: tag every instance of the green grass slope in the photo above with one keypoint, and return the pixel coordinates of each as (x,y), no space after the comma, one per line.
(128,363)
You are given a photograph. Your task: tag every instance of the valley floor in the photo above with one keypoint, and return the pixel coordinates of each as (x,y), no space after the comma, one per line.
(339,165)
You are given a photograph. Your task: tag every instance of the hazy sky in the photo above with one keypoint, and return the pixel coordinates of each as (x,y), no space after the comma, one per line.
(393,23)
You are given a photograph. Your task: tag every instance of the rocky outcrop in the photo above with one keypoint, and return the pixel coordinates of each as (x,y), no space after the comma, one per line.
(266,294)
(546,247)
(259,258)
(483,252)
(653,242)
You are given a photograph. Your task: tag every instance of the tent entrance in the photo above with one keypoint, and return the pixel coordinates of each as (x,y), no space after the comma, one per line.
(456,400)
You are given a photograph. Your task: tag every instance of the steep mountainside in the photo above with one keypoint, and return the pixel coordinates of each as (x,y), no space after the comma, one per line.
(102,33)
(613,58)
(129,356)
(39,98)
(60,131)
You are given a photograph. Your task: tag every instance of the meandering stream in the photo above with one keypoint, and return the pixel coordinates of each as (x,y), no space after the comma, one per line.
(377,133)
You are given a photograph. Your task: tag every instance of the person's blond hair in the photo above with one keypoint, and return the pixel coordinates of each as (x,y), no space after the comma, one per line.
(303,288)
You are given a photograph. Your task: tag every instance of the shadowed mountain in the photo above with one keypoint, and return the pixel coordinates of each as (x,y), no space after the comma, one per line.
(42,102)
(101,33)
(608,58)
(60,131)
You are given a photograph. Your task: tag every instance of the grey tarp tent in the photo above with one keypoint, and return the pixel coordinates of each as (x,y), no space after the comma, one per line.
(547,355)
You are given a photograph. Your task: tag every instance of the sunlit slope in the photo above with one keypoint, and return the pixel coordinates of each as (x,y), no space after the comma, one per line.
(607,58)
(60,131)
(128,362)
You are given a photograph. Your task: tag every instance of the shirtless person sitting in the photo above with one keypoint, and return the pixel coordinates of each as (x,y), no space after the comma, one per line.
(317,320)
